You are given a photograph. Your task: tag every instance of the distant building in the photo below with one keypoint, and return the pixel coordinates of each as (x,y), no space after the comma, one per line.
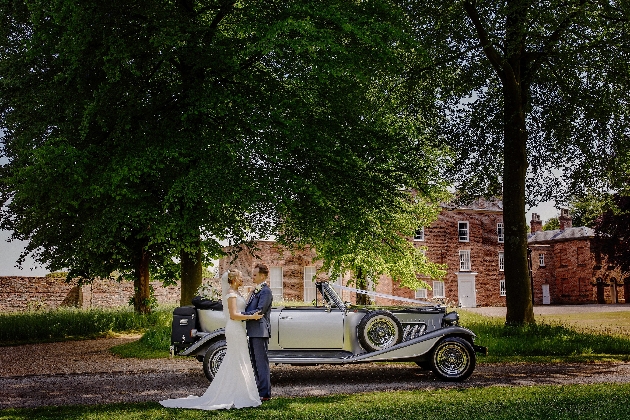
(566,270)
(468,239)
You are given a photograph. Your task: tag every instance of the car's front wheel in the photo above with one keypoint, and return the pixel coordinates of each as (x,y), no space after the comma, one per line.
(213,358)
(453,359)
(379,330)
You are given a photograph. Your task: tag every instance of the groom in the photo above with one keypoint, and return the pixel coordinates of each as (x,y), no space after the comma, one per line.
(259,331)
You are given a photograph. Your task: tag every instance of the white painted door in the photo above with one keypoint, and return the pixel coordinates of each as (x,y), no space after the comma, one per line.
(275,283)
(467,294)
(309,285)
(546,295)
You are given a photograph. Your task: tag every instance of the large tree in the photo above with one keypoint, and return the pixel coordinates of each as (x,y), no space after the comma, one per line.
(534,92)
(613,233)
(141,131)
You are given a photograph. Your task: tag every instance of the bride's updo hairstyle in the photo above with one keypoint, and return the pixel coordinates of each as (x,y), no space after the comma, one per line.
(233,275)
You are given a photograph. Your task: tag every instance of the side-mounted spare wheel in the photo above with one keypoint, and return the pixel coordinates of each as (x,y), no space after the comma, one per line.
(379,330)
(213,358)
(453,359)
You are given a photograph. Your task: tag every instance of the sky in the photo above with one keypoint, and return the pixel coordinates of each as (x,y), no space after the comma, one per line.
(10,252)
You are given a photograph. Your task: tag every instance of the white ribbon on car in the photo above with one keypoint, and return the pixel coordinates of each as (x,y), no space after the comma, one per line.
(381,295)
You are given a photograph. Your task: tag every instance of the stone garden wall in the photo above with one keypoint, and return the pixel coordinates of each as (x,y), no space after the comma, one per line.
(24,293)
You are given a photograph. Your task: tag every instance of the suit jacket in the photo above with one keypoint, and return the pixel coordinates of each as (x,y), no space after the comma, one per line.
(259,302)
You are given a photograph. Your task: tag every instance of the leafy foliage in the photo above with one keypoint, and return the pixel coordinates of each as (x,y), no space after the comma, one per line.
(613,233)
(382,247)
(531,90)
(585,210)
(135,129)
(552,224)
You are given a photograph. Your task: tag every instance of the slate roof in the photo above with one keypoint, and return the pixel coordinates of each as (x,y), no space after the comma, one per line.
(481,204)
(558,235)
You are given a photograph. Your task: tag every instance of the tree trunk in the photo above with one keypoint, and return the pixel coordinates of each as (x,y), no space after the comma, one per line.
(141,283)
(362,285)
(191,272)
(517,281)
(512,72)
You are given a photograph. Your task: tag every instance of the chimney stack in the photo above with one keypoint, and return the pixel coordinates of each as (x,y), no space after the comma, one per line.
(565,219)
(536,224)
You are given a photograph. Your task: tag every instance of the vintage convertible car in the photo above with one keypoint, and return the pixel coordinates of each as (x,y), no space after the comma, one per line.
(335,332)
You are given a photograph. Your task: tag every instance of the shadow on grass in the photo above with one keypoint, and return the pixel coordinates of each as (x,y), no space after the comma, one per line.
(513,403)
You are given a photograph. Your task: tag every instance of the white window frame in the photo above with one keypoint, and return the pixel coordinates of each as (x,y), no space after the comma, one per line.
(463,226)
(464,260)
(438,289)
(500,232)
(419,235)
(501,261)
(502,288)
(276,283)
(421,294)
(541,259)
(310,291)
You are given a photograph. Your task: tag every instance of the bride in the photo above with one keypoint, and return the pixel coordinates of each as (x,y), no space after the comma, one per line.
(234,385)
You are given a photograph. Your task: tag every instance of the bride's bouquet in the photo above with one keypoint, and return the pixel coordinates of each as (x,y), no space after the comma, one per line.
(208,297)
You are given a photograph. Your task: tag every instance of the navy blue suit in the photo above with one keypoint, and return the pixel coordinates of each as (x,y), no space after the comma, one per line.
(259,332)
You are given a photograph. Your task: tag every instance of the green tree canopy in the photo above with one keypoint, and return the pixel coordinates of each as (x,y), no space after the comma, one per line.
(141,131)
(552,224)
(530,90)
(613,232)
(383,246)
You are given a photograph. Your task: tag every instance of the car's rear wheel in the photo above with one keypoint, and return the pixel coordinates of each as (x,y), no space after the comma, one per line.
(453,359)
(213,358)
(379,330)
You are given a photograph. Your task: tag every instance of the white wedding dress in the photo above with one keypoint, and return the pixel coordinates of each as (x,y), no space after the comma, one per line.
(234,385)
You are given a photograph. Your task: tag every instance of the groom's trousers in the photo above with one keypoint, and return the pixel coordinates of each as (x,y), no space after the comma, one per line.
(260,363)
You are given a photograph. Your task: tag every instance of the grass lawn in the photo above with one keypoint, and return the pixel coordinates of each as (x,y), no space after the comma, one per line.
(557,339)
(65,324)
(572,337)
(602,401)
(612,323)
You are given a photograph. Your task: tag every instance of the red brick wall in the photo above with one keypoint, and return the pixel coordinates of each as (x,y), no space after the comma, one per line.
(570,268)
(274,255)
(22,293)
(441,239)
(443,246)
(572,273)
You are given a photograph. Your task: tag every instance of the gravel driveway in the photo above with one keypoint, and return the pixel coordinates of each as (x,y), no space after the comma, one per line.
(84,372)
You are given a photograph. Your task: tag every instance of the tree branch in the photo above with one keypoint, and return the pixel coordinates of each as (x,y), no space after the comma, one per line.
(493,55)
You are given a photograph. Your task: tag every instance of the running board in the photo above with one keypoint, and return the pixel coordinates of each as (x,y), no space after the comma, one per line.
(411,349)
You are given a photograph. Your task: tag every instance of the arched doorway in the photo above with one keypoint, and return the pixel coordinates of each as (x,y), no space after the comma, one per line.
(626,289)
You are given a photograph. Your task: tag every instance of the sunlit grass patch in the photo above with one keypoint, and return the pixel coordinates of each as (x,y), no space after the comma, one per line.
(544,341)
(71,323)
(584,402)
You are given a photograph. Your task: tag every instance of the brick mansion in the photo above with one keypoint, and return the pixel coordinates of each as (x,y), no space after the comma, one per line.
(469,240)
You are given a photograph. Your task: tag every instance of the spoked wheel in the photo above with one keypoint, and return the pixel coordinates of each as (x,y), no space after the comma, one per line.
(453,359)
(213,358)
(379,330)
